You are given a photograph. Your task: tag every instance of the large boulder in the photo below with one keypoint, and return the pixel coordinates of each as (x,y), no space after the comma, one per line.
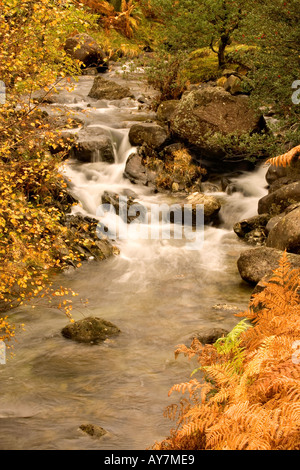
(277,201)
(109,90)
(209,111)
(84,48)
(153,135)
(285,235)
(256,263)
(90,330)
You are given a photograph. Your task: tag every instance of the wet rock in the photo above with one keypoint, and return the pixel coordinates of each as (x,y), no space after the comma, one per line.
(153,135)
(90,330)
(246,226)
(209,111)
(212,205)
(84,48)
(107,89)
(256,263)
(93,430)
(211,335)
(93,145)
(279,200)
(256,237)
(285,235)
(275,173)
(135,171)
(279,183)
(84,240)
(124,205)
(274,220)
(208,187)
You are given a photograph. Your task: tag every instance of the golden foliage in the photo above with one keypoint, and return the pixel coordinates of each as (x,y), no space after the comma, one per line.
(177,167)
(33,195)
(287,158)
(249,399)
(124,21)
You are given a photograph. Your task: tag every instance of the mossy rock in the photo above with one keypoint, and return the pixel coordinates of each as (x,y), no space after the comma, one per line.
(93,430)
(90,330)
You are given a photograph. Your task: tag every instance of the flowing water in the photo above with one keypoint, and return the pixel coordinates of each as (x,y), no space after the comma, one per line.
(158,292)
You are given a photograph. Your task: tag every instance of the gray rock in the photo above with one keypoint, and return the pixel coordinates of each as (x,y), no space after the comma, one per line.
(209,111)
(107,89)
(256,263)
(233,84)
(279,200)
(285,235)
(123,206)
(279,183)
(256,237)
(90,330)
(93,145)
(152,135)
(135,171)
(274,173)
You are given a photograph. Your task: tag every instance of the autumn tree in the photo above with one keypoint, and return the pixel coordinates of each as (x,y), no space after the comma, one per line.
(33,194)
(192,24)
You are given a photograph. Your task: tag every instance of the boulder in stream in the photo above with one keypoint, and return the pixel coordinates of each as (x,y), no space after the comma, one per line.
(93,144)
(210,335)
(124,204)
(211,204)
(253,230)
(256,263)
(208,111)
(153,135)
(90,330)
(93,430)
(108,90)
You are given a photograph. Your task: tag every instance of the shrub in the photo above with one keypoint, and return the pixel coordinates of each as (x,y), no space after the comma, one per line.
(248,398)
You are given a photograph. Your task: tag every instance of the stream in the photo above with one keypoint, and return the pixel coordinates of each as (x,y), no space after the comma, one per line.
(156,291)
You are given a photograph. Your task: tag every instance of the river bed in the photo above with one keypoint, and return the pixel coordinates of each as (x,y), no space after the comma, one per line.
(156,291)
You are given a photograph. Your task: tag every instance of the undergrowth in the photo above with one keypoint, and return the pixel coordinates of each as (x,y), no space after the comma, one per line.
(246,396)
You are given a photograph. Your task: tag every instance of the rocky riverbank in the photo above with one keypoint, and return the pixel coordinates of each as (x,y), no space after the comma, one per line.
(177,153)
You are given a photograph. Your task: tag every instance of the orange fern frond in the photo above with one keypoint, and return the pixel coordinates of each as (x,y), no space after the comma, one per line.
(285,159)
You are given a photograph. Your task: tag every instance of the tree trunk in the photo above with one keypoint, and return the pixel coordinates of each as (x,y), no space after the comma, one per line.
(225,41)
